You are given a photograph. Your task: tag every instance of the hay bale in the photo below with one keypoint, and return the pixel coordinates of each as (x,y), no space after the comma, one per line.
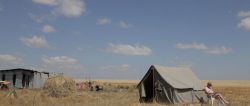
(59,86)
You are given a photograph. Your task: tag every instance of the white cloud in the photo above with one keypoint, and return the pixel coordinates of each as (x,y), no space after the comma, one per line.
(245,20)
(180,62)
(42,18)
(245,23)
(122,67)
(191,46)
(35,42)
(126,49)
(69,8)
(62,62)
(72,8)
(80,49)
(204,48)
(47,2)
(48,29)
(103,21)
(124,24)
(36,18)
(244,14)
(84,49)
(9,59)
(219,50)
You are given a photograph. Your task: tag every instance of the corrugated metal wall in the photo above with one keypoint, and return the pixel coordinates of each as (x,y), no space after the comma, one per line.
(26,79)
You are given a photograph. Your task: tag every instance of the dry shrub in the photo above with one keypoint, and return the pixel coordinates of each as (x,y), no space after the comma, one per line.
(59,86)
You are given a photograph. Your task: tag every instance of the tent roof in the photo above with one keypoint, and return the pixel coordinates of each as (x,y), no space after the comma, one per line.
(178,77)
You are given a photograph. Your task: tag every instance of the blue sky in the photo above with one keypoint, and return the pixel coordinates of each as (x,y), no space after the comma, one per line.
(120,39)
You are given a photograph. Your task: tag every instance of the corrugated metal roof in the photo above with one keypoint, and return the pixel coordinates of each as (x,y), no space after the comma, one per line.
(21,69)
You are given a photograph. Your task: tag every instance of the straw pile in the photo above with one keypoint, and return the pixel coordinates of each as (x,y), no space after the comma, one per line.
(59,86)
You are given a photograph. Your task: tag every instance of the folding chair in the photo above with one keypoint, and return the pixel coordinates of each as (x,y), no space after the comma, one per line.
(210,98)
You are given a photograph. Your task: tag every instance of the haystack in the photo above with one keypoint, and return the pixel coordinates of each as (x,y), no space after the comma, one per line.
(59,86)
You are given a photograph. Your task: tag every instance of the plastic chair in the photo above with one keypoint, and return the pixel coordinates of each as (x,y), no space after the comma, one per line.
(211,99)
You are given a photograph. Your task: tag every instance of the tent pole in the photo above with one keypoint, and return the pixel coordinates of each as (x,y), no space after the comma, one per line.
(153,85)
(192,96)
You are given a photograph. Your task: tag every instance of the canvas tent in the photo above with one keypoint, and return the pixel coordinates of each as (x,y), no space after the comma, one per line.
(171,85)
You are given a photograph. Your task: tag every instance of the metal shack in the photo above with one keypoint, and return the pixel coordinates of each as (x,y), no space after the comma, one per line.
(24,78)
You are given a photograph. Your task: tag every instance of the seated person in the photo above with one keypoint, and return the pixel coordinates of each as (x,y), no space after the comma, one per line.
(209,91)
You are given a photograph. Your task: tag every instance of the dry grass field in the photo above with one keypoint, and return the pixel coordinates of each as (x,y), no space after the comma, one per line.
(118,93)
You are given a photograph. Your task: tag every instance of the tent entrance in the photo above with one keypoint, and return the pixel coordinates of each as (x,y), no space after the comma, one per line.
(148,85)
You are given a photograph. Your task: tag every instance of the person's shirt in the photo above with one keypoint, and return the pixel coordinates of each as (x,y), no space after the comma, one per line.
(209,90)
